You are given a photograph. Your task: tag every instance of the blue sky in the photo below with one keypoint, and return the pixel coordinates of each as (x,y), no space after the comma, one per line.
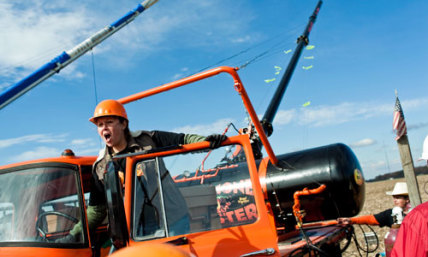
(364,50)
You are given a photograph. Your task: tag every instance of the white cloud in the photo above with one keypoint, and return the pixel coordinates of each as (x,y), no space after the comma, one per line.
(88,151)
(241,39)
(318,116)
(37,153)
(341,113)
(363,142)
(187,27)
(33,33)
(373,168)
(327,115)
(85,146)
(40,138)
(181,74)
(417,125)
(206,129)
(85,141)
(284,117)
(414,103)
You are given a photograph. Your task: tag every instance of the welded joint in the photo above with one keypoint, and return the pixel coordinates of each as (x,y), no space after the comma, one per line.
(303,38)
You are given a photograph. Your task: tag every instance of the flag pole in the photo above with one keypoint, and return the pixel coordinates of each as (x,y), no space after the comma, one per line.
(409,170)
(399,126)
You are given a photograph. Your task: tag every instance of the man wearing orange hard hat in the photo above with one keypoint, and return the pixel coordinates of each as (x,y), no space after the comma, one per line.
(112,123)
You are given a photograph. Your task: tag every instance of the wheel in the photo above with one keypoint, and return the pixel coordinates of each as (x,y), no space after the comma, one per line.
(40,232)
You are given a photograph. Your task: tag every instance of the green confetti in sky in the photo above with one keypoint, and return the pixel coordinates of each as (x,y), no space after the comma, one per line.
(269,80)
(307,67)
(310,47)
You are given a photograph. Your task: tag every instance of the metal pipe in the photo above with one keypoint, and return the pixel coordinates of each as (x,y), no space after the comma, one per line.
(302,41)
(65,58)
(239,87)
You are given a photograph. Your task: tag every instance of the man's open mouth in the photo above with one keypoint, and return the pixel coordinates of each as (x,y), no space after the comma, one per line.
(107,136)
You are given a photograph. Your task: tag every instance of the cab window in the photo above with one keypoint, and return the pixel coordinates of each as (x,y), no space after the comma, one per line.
(39,204)
(201,191)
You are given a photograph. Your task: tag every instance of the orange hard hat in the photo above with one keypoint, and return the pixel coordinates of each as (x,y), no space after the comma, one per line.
(109,108)
(155,250)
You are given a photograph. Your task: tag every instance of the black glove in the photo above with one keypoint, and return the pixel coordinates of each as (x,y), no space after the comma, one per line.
(66,240)
(215,140)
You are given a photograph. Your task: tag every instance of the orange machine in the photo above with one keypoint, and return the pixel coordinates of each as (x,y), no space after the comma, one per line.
(233,201)
(238,206)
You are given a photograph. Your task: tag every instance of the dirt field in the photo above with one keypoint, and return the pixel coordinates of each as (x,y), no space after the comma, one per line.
(376,201)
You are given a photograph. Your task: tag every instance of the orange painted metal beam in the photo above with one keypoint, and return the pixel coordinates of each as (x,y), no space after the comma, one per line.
(206,74)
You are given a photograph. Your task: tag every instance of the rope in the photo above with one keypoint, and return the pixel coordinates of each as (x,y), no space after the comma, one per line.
(94,77)
(95,87)
(272,50)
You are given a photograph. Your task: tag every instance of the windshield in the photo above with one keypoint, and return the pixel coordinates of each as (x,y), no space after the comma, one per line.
(38,204)
(201,191)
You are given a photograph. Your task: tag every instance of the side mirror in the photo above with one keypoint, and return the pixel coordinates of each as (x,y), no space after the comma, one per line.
(116,211)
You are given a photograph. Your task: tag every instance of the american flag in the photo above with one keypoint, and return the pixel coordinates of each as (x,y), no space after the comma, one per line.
(399,124)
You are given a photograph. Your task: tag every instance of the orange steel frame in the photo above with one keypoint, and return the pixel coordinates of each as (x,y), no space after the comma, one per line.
(203,75)
(267,237)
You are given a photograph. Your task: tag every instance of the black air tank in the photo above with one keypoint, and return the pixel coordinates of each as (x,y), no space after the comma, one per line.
(334,165)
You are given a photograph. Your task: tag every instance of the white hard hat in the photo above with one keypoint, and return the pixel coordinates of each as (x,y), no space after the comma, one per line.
(400,188)
(424,155)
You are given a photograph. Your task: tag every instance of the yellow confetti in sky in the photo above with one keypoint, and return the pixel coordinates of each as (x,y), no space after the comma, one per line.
(307,67)
(269,80)
(287,51)
(308,57)
(277,67)
(310,47)
(306,104)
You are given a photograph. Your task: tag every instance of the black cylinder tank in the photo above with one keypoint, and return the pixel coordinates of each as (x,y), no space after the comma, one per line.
(334,165)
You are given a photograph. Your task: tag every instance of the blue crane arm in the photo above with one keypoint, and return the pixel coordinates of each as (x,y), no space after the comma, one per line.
(65,58)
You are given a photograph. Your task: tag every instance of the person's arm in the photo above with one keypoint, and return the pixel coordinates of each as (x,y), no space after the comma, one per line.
(96,214)
(385,218)
(163,138)
(214,139)
(192,138)
(366,219)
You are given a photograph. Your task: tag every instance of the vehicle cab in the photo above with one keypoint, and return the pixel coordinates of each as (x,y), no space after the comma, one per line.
(41,201)
(222,209)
